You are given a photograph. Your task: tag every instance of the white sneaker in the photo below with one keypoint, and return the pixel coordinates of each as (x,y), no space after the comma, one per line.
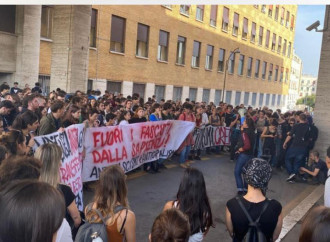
(291,177)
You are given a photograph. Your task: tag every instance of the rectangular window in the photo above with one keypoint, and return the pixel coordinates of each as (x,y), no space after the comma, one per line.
(261,99)
(45,84)
(177,93)
(277,9)
(118,27)
(261,34)
(159,92)
(200,12)
(274,42)
(231,64)
(264,69)
(217,97)
(228,97)
(192,94)
(270,72)
(237,98)
(254,99)
(139,88)
(213,16)
(276,73)
(249,67)
(206,95)
(163,46)
(289,49)
(282,15)
(273,99)
(270,11)
(195,55)
(245,28)
(279,44)
(235,24)
(89,84)
(284,47)
(184,9)
(257,67)
(279,97)
(114,87)
(267,99)
(246,98)
(292,22)
(142,40)
(287,20)
(263,8)
(267,39)
(221,61)
(241,65)
(46,22)
(92,35)
(181,50)
(8,18)
(225,19)
(209,57)
(253,32)
(287,75)
(281,74)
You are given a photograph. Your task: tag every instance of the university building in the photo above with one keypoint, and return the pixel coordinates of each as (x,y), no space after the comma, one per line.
(173,51)
(295,79)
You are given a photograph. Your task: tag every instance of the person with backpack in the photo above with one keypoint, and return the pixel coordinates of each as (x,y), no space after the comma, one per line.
(109,216)
(254,217)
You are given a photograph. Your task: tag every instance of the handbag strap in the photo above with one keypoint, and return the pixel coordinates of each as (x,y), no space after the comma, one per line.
(252,223)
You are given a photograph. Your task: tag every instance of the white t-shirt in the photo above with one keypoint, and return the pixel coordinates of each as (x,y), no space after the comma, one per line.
(123,122)
(64,232)
(327,191)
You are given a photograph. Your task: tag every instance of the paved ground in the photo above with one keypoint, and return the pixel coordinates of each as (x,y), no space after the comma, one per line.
(149,192)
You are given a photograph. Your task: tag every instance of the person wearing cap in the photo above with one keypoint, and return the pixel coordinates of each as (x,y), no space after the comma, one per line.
(15,89)
(257,173)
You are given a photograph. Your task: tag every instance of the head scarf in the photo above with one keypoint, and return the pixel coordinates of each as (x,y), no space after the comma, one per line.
(257,173)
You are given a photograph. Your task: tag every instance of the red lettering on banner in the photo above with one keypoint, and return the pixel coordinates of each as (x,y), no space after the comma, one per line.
(217,136)
(114,155)
(70,169)
(108,137)
(152,131)
(224,136)
(73,138)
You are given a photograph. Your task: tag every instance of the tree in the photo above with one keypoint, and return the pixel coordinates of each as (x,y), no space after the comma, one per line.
(308,101)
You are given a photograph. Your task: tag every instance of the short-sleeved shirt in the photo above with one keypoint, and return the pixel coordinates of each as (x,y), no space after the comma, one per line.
(229,118)
(322,166)
(268,220)
(69,197)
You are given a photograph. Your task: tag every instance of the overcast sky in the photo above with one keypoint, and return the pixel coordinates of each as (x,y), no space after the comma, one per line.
(308,43)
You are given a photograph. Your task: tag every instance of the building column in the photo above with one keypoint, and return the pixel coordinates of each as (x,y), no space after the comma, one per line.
(28,44)
(70,48)
(150,90)
(127,88)
(257,100)
(233,97)
(169,92)
(185,93)
(242,97)
(212,96)
(199,96)
(250,99)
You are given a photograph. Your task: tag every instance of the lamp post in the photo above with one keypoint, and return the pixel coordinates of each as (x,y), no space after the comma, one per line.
(226,69)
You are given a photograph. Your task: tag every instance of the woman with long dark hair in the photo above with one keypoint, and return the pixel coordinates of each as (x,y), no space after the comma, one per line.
(71,116)
(192,200)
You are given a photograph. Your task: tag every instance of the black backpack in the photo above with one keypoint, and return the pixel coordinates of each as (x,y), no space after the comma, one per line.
(254,233)
(90,230)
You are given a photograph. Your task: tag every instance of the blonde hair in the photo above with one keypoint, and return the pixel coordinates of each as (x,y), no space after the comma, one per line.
(50,156)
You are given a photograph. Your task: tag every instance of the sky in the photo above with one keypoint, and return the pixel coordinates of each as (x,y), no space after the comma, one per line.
(307,44)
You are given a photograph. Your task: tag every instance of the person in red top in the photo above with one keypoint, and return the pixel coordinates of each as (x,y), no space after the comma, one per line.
(187,115)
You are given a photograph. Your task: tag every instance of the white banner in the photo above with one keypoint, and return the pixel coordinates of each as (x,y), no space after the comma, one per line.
(131,145)
(211,136)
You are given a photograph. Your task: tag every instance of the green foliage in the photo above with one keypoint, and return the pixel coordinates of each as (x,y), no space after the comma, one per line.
(308,101)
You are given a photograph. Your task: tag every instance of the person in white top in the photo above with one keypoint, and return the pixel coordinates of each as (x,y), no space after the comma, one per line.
(64,232)
(124,117)
(327,182)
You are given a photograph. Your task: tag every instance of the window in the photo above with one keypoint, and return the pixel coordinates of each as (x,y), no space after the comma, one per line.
(270,11)
(167,6)
(114,87)
(276,73)
(245,28)
(261,34)
(263,8)
(139,88)
(284,47)
(267,39)
(237,98)
(221,61)
(159,92)
(184,9)
(117,34)
(287,19)
(267,99)
(231,64)
(200,12)
(261,99)
(217,97)
(246,98)
(289,49)
(225,19)
(287,75)
(228,97)
(279,44)
(8,18)
(281,74)
(195,55)
(274,42)
(92,35)
(253,32)
(192,94)
(264,68)
(254,99)
(213,16)
(142,41)
(181,50)
(292,22)
(46,22)
(241,65)
(279,97)
(45,83)
(163,46)
(209,57)
(89,84)
(206,95)
(256,71)
(282,15)
(235,24)
(273,99)
(249,67)
(270,72)
(276,12)
(177,93)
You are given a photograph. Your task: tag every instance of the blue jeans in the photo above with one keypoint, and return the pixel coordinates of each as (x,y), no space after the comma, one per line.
(241,161)
(293,159)
(184,154)
(260,147)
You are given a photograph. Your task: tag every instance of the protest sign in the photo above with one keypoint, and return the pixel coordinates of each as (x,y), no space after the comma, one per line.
(211,136)
(71,143)
(131,145)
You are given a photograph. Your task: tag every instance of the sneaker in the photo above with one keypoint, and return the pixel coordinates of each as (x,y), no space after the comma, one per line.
(291,181)
(183,165)
(291,177)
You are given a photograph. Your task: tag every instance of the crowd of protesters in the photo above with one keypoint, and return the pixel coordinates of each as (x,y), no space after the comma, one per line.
(261,140)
